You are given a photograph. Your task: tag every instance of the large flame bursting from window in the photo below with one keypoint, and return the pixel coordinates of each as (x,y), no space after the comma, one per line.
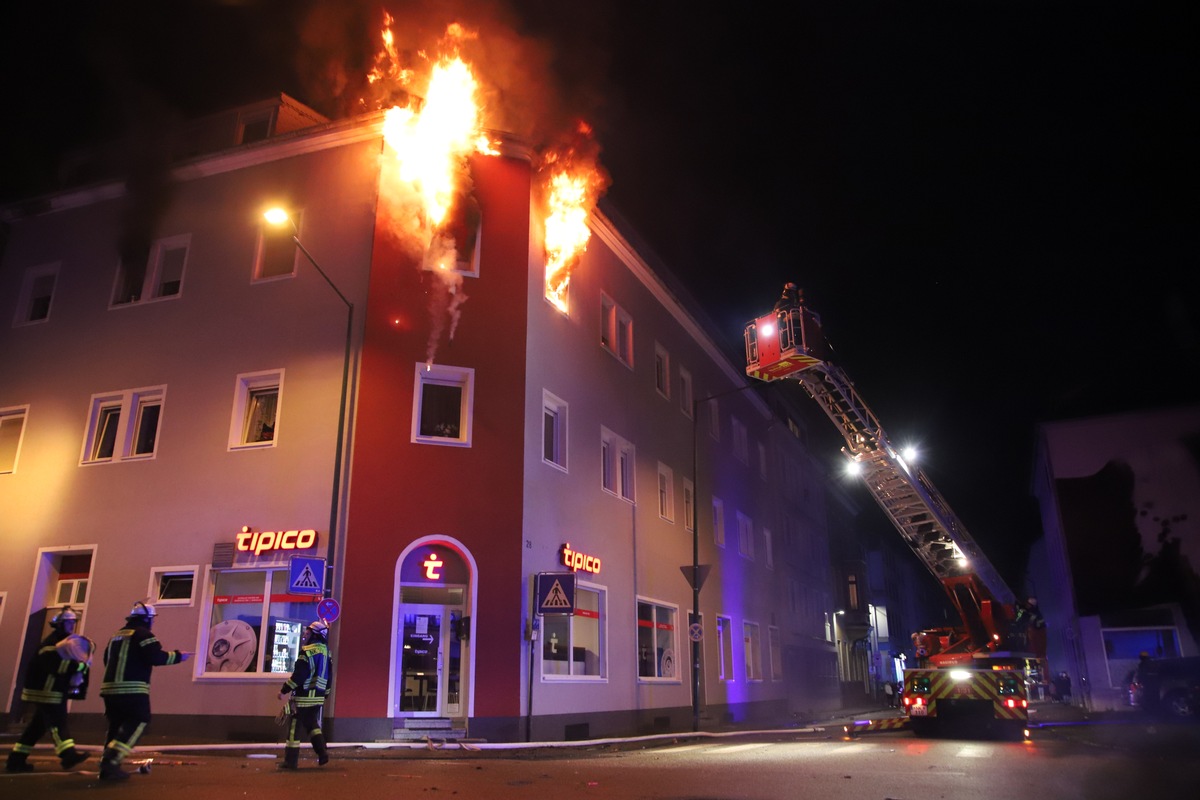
(573,182)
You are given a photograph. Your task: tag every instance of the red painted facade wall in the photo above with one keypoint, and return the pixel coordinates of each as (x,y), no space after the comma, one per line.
(402,491)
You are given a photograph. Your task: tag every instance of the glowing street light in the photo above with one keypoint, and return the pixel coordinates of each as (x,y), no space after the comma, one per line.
(278,217)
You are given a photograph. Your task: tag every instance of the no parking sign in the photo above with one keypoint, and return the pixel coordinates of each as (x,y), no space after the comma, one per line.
(328,609)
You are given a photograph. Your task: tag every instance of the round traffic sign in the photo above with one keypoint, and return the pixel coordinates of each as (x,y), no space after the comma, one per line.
(696,631)
(328,609)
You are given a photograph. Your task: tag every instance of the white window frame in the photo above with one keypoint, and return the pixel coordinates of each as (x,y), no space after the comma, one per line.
(160,575)
(714,419)
(618,465)
(602,645)
(449,376)
(265,230)
(662,371)
(554,431)
(762,460)
(745,536)
(26,299)
(725,648)
(775,652)
(672,638)
(689,505)
(152,278)
(686,392)
(13,417)
(131,406)
(718,507)
(616,330)
(768,549)
(244,388)
(752,651)
(666,492)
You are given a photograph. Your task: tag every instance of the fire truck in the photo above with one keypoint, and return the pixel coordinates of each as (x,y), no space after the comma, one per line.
(972,677)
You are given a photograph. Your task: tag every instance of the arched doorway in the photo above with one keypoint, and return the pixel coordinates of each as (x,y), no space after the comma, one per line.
(432,633)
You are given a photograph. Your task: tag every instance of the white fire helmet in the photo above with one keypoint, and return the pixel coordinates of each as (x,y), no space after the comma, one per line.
(67,614)
(318,628)
(143,610)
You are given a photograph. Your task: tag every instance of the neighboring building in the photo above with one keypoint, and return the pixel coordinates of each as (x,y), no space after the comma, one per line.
(1115,570)
(170,430)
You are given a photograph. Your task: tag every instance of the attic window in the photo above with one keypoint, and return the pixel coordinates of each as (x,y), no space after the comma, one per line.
(255,129)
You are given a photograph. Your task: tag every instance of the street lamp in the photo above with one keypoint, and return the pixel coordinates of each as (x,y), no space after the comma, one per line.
(278,216)
(696,578)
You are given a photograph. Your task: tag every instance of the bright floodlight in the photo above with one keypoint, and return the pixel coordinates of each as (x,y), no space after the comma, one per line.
(276,215)
(767,330)
(853,469)
(909,453)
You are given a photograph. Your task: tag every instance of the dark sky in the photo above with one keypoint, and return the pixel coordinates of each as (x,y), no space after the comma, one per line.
(987,202)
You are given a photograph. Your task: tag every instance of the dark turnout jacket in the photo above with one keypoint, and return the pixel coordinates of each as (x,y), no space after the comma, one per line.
(131,655)
(312,677)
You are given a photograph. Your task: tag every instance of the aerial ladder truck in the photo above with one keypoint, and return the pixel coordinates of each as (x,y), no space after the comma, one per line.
(974,674)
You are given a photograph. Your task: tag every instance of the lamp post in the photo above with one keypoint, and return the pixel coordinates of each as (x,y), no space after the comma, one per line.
(696,578)
(279,216)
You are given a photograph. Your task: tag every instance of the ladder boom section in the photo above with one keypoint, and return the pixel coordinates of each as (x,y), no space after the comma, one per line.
(788,343)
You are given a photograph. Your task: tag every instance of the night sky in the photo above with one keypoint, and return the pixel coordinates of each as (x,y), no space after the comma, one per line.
(987,202)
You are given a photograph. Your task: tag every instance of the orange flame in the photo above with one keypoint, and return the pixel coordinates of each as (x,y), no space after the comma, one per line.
(574,183)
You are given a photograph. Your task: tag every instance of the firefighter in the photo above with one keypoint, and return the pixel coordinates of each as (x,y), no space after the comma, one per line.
(1028,625)
(792,297)
(56,674)
(310,683)
(132,654)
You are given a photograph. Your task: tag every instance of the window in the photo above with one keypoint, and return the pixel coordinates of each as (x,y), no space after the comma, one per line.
(762,460)
(276,254)
(753,651)
(656,641)
(37,292)
(718,506)
(745,535)
(554,430)
(714,419)
(152,274)
(775,649)
(172,586)
(685,392)
(573,646)
(724,648)
(254,624)
(617,460)
(852,592)
(12,430)
(461,231)
(255,418)
(768,549)
(123,425)
(740,445)
(616,330)
(254,127)
(443,402)
(662,370)
(689,505)
(666,493)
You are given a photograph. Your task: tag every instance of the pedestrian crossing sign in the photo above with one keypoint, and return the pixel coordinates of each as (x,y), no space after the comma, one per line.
(555,593)
(306,575)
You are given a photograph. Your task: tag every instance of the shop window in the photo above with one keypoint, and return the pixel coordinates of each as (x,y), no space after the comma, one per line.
(554,430)
(37,292)
(12,431)
(724,648)
(276,254)
(255,409)
(254,624)
(752,651)
(442,404)
(172,586)
(573,646)
(123,425)
(657,644)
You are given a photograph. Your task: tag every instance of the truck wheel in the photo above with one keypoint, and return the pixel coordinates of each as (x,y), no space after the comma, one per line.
(1178,704)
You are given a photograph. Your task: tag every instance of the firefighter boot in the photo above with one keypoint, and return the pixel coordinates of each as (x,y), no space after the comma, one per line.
(17,763)
(318,743)
(110,768)
(71,758)
(291,758)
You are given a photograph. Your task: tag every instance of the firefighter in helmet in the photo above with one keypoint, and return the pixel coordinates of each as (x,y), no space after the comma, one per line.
(305,691)
(57,673)
(131,655)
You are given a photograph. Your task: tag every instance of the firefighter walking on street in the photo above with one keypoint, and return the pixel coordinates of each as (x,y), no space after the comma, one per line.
(132,654)
(310,683)
(57,673)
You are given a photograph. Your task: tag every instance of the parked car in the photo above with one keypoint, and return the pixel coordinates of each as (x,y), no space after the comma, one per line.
(1168,686)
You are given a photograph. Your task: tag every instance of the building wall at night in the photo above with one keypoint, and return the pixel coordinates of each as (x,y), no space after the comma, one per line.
(590,428)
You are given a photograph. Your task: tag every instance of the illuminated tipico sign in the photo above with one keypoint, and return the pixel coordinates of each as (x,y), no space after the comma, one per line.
(579,561)
(258,542)
(433,566)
